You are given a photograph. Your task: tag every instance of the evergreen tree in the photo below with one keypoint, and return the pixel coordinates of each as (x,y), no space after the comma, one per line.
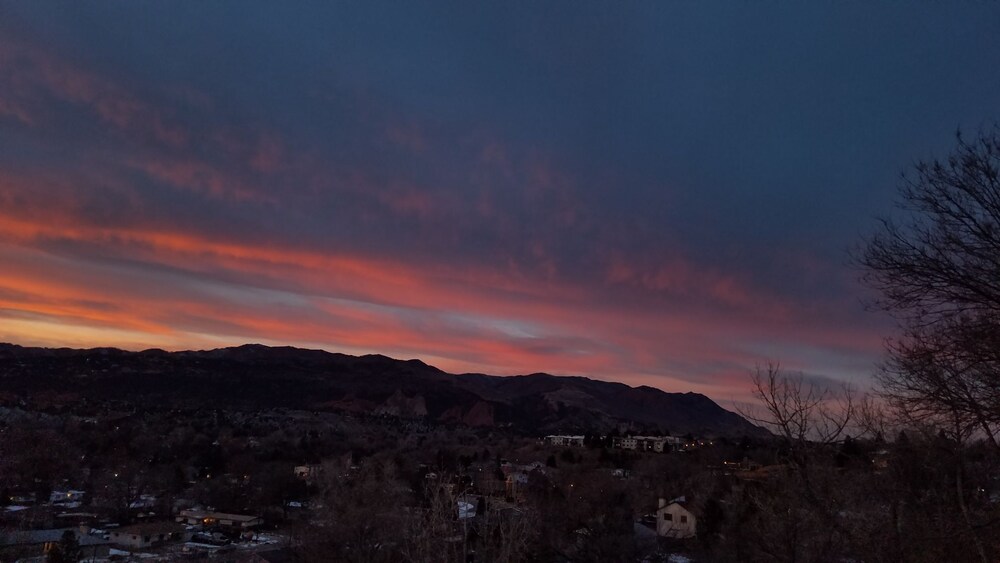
(66,551)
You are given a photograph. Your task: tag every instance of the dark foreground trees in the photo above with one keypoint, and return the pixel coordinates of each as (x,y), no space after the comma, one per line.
(937,269)
(920,497)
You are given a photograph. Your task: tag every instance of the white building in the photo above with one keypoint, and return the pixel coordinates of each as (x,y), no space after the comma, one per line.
(561,440)
(624,443)
(674,520)
(658,444)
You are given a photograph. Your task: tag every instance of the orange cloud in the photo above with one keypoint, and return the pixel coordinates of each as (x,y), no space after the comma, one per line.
(89,257)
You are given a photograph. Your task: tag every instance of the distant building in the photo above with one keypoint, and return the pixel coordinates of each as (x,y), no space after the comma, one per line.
(149,534)
(562,440)
(624,443)
(658,444)
(674,520)
(221,519)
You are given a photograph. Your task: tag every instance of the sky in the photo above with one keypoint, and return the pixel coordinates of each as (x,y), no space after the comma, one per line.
(655,193)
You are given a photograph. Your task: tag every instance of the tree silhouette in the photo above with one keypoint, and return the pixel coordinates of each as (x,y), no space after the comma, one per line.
(66,551)
(937,270)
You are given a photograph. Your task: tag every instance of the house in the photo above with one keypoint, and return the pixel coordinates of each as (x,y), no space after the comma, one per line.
(308,473)
(149,534)
(515,484)
(70,498)
(35,543)
(194,517)
(674,520)
(880,460)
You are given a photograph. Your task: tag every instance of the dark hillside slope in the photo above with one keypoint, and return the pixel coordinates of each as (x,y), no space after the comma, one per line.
(261,377)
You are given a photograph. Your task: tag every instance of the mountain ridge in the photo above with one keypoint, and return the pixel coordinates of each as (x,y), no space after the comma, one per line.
(257,376)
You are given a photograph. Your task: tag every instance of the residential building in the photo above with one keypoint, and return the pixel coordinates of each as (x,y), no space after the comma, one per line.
(562,440)
(221,519)
(674,520)
(658,444)
(149,534)
(624,443)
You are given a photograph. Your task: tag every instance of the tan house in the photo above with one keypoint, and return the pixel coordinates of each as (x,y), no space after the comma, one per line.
(674,520)
(222,519)
(149,534)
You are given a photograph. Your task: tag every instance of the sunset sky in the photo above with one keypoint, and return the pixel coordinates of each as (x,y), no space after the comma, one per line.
(648,192)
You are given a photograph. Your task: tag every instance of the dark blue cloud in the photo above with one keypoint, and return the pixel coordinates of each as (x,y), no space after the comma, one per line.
(702,160)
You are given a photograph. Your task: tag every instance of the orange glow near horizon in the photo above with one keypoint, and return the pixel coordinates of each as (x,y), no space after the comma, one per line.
(146,216)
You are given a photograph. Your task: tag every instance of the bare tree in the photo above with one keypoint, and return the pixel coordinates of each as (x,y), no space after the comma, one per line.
(362,515)
(798,411)
(808,418)
(434,532)
(506,532)
(937,270)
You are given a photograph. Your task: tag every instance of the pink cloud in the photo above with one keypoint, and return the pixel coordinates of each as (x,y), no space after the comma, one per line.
(650,316)
(34,71)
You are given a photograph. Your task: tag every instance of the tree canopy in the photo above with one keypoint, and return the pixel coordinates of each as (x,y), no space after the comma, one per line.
(936,267)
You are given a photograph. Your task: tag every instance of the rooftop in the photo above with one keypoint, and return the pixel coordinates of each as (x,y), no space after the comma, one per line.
(34,537)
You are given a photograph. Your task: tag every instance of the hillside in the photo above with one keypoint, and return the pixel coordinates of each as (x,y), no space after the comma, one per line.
(261,377)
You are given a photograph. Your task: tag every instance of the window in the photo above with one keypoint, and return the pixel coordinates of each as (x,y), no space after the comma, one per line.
(668,516)
(684,519)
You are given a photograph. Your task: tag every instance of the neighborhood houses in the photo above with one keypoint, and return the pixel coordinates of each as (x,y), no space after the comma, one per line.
(658,444)
(186,498)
